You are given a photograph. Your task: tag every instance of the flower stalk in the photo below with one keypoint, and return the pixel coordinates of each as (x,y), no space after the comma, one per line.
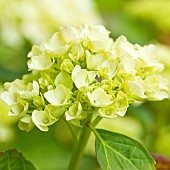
(78,149)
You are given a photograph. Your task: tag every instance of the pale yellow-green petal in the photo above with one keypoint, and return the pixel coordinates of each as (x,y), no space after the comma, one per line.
(40,62)
(99,98)
(94,61)
(64,78)
(108,112)
(122,103)
(67,65)
(58,97)
(7,98)
(74,112)
(26,123)
(55,112)
(135,88)
(42,119)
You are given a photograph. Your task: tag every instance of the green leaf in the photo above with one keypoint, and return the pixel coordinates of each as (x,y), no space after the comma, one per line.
(119,152)
(13,160)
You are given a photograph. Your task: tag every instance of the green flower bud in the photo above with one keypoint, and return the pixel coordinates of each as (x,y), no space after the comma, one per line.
(26,123)
(67,66)
(75,112)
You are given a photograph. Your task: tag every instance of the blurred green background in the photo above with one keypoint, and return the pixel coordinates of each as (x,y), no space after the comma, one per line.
(27,22)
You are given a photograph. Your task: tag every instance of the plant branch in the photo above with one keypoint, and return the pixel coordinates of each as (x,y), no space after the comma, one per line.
(96,121)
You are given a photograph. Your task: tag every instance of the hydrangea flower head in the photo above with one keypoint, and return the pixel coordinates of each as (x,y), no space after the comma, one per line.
(82,70)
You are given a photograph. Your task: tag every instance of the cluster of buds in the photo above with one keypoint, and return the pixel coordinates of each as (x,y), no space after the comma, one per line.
(80,71)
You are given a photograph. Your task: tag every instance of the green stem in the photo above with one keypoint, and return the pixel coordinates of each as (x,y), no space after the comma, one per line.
(79,148)
(93,129)
(96,121)
(73,131)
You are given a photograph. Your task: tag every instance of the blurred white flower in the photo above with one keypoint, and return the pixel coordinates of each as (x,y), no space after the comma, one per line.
(36,20)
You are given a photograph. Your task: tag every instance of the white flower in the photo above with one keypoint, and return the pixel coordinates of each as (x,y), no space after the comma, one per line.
(31,90)
(65,79)
(40,62)
(82,77)
(108,111)
(42,119)
(58,97)
(82,70)
(99,98)
(26,123)
(135,88)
